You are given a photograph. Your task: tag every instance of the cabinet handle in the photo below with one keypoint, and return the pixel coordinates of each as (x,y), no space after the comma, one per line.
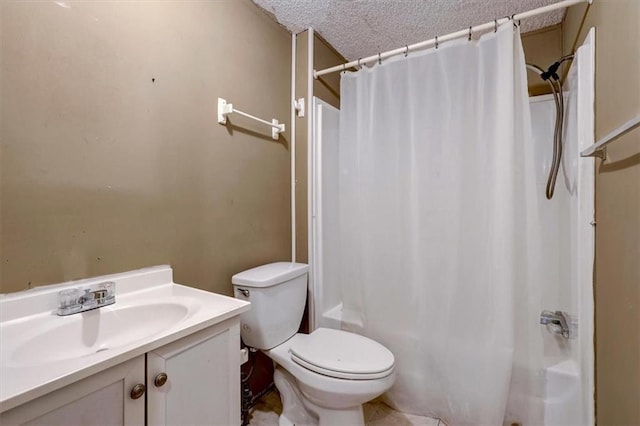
(160,380)
(138,390)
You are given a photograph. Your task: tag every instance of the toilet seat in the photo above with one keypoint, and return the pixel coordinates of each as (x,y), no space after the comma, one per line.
(343,355)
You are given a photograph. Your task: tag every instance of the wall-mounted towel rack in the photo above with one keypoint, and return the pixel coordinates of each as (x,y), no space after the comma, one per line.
(599,148)
(225,109)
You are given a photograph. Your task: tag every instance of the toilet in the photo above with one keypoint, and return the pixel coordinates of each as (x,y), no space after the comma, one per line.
(323,377)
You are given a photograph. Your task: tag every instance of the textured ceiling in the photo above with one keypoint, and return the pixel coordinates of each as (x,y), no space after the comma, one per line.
(359,28)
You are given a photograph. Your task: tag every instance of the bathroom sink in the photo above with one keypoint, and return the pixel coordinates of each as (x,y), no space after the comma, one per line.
(80,335)
(41,351)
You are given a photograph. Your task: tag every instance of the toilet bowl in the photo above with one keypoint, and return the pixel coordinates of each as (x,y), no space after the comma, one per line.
(336,395)
(323,377)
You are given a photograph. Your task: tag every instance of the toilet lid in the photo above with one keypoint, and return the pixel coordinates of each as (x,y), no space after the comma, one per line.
(341,354)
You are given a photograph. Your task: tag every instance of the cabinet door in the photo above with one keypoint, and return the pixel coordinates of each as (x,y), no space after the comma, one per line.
(203,379)
(101,399)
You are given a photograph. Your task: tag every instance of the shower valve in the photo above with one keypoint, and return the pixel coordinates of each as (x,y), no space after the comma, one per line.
(557,322)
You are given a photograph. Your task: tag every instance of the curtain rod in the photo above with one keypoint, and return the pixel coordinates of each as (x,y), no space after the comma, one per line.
(450,36)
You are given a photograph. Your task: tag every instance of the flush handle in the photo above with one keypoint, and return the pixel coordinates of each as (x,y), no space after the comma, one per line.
(244,292)
(138,390)
(160,380)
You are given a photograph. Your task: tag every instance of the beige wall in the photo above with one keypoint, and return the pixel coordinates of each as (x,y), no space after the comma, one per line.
(617,275)
(327,87)
(301,149)
(542,48)
(112,158)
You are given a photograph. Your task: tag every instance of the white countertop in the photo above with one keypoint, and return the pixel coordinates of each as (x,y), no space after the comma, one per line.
(32,313)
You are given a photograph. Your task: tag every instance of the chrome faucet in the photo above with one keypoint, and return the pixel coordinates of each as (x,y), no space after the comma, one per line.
(557,322)
(80,299)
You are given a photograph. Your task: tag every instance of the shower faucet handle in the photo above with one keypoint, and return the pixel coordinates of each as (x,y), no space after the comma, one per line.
(557,322)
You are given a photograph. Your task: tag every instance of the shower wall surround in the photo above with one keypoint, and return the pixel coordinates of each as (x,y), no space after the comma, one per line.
(617,270)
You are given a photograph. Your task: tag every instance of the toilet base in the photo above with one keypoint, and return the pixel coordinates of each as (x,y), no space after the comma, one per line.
(293,409)
(299,411)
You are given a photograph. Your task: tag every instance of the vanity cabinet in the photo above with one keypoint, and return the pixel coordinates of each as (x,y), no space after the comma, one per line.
(194,380)
(100,399)
(202,385)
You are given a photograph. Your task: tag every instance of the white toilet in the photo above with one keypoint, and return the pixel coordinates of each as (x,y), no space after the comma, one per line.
(323,377)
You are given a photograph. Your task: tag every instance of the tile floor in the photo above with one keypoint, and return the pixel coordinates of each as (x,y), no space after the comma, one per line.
(376,413)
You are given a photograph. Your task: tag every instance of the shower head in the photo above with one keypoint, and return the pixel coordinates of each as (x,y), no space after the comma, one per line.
(552,72)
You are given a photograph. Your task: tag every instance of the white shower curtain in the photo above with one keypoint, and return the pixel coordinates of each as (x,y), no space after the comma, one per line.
(437,225)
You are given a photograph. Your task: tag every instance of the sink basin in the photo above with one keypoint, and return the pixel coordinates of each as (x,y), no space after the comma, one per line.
(80,335)
(41,352)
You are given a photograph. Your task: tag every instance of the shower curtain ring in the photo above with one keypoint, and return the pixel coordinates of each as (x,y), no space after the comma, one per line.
(344,67)
(436,42)
(514,22)
(495,25)
(469,33)
(359,66)
(406,51)
(379,59)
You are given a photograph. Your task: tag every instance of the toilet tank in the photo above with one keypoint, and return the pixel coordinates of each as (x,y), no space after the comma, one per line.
(277,292)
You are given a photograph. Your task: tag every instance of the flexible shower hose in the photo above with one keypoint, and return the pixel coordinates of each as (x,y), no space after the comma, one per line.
(551,77)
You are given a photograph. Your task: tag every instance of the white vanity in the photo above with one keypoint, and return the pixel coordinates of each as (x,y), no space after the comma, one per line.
(162,354)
